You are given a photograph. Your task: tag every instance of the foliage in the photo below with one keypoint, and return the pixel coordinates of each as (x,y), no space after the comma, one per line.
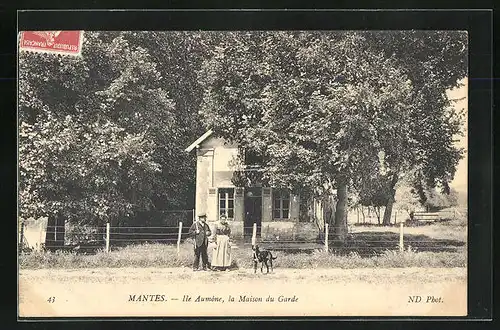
(435,61)
(405,198)
(319,107)
(101,135)
(374,191)
(65,167)
(328,113)
(331,110)
(436,200)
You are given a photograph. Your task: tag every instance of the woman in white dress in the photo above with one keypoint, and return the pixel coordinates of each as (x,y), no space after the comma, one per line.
(221,256)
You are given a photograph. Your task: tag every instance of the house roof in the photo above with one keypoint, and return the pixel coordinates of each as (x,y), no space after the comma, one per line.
(199,140)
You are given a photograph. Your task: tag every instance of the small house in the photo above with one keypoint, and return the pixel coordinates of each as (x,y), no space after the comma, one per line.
(278,214)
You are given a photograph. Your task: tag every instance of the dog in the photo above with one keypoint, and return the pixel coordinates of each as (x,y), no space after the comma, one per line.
(264,257)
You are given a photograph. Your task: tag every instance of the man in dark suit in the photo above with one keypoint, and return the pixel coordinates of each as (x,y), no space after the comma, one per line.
(200,232)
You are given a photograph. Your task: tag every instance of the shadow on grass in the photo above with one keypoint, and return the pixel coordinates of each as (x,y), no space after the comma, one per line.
(375,243)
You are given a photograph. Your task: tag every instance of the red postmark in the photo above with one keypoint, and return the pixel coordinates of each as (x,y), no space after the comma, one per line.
(59,42)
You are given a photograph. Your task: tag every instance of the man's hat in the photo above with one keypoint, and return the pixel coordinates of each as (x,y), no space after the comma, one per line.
(202,215)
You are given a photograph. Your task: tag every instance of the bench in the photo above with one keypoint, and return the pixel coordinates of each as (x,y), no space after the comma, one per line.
(426,216)
(432,216)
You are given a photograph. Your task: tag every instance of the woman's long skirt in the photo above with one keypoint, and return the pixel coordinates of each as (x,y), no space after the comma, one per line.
(221,256)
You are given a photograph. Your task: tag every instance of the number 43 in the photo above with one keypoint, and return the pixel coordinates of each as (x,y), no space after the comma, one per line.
(51,299)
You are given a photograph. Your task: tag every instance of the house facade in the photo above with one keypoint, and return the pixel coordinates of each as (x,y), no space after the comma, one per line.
(277,212)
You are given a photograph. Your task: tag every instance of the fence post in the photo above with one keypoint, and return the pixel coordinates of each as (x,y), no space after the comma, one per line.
(21,239)
(179,238)
(254,234)
(107,237)
(194,215)
(326,237)
(401,246)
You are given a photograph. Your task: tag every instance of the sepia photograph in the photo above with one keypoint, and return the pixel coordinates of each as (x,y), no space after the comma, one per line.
(242,173)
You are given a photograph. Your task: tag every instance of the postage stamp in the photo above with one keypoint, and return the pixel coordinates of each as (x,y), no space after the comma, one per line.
(255,173)
(59,42)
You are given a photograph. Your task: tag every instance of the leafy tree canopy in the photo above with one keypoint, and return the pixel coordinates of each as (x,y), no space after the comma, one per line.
(102,135)
(331,110)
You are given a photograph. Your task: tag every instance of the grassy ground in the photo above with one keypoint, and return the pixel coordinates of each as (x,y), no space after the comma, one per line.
(410,275)
(434,232)
(365,277)
(429,246)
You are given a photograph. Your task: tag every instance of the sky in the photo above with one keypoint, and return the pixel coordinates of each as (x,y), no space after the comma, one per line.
(460,181)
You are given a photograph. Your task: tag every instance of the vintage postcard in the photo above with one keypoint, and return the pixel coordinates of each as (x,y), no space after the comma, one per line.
(242,173)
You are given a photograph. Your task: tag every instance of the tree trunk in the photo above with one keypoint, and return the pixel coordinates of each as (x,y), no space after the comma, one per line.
(388,208)
(340,212)
(329,211)
(377,213)
(388,211)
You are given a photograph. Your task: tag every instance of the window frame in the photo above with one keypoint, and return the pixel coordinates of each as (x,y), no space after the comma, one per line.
(281,195)
(227,197)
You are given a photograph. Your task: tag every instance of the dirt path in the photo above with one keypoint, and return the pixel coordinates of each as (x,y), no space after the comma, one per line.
(327,292)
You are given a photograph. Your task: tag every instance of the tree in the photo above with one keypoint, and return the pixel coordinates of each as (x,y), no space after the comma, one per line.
(405,197)
(434,61)
(85,164)
(317,106)
(69,170)
(179,56)
(434,200)
(373,192)
(101,135)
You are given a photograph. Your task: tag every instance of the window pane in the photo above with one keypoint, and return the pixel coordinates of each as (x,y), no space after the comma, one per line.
(277,204)
(285,214)
(276,214)
(230,204)
(286,203)
(230,193)
(230,213)
(222,212)
(222,204)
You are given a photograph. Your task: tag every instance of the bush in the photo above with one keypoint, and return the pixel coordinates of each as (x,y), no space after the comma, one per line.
(458,217)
